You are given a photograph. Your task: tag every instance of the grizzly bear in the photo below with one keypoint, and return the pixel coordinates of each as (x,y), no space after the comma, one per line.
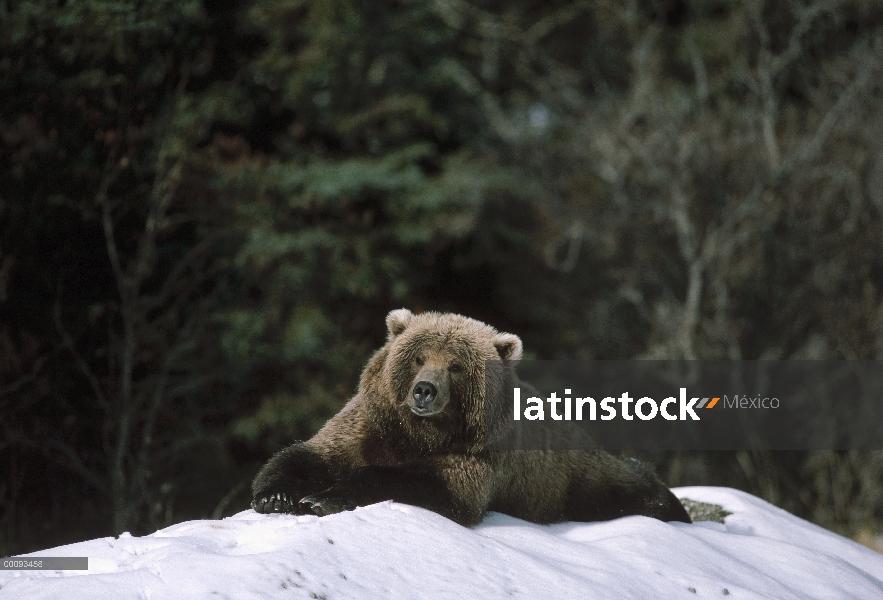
(418,432)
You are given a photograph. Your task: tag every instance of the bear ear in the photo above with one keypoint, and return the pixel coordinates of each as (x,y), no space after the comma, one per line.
(397,321)
(508,346)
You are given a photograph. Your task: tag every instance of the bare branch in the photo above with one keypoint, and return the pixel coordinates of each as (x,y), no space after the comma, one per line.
(81,363)
(159,394)
(229,497)
(805,20)
(549,23)
(112,170)
(679,215)
(699,73)
(26,379)
(75,464)
(177,447)
(178,274)
(769,114)
(811,150)
(495,113)
(573,240)
(61,454)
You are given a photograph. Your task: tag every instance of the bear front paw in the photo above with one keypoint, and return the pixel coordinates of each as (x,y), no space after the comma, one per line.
(274,503)
(326,503)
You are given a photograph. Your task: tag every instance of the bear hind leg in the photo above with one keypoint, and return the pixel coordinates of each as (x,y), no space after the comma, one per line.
(620,488)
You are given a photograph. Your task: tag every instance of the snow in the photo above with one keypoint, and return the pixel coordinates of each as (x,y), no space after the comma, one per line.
(391,550)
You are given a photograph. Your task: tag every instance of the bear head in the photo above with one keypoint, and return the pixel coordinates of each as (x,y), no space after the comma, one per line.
(438,379)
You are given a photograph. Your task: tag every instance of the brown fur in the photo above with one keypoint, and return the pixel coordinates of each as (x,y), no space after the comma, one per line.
(383,446)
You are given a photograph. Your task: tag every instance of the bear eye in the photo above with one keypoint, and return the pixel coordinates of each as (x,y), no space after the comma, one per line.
(419,361)
(455,368)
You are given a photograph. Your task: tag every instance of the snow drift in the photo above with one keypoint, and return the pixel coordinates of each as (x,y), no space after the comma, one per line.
(392,550)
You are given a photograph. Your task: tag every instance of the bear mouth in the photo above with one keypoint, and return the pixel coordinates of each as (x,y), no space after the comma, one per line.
(424,412)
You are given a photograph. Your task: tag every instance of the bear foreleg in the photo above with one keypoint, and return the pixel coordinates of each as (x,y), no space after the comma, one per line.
(451,492)
(287,477)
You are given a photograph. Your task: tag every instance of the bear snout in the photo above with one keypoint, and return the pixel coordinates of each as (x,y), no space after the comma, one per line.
(429,395)
(424,394)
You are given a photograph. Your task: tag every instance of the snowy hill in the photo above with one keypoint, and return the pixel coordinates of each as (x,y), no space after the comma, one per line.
(396,551)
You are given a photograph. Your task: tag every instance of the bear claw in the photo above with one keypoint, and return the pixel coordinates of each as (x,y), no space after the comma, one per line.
(317,506)
(311,504)
(322,505)
(275,503)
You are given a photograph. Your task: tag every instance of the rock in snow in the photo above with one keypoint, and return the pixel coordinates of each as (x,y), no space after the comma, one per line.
(391,550)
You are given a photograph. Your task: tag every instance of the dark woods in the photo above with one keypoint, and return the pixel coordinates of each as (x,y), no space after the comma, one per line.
(206,210)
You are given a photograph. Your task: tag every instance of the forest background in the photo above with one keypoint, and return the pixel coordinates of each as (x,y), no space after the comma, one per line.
(207,209)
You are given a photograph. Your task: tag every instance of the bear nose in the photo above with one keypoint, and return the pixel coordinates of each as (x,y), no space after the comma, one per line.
(424,393)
